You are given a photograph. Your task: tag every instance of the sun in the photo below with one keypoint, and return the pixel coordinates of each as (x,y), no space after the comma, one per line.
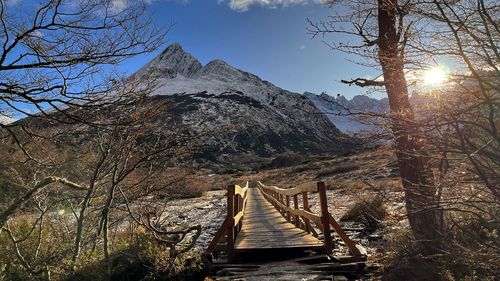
(434,76)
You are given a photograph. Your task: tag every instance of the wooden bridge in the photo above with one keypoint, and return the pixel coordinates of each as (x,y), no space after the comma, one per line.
(272,218)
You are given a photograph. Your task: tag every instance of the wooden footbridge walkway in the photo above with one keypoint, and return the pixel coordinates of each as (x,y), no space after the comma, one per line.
(272,218)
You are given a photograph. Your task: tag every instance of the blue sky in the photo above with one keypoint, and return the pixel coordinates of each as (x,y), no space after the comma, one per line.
(264,37)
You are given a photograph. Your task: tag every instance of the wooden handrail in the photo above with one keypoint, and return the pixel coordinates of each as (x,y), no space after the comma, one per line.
(299,212)
(276,195)
(349,243)
(280,198)
(236,204)
(218,236)
(289,191)
(238,190)
(325,217)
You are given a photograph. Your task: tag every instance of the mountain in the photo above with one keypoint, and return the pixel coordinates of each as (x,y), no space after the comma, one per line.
(235,114)
(344,113)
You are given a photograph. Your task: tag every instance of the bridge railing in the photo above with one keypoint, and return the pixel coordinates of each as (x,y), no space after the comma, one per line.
(281,198)
(236,204)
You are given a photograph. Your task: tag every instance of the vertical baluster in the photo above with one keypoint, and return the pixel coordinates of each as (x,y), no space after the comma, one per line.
(236,211)
(230,226)
(243,206)
(276,197)
(288,205)
(282,202)
(240,207)
(305,202)
(325,220)
(296,206)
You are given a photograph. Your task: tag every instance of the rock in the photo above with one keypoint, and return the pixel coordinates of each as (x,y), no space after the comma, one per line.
(373,237)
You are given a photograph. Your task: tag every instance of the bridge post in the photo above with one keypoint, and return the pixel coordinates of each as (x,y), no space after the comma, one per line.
(305,202)
(325,217)
(296,206)
(280,198)
(236,210)
(230,225)
(288,205)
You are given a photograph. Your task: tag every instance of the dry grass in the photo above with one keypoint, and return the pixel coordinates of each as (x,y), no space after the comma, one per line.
(370,212)
(332,171)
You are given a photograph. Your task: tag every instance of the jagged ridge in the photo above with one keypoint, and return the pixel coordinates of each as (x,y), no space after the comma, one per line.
(239,113)
(343,112)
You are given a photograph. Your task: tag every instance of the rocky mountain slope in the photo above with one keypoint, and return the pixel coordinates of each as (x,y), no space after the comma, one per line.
(344,113)
(234,113)
(219,114)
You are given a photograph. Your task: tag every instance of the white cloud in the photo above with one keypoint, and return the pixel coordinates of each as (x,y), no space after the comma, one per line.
(244,5)
(302,47)
(118,6)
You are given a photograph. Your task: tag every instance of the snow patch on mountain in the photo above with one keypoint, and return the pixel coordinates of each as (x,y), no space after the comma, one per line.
(347,115)
(171,62)
(236,112)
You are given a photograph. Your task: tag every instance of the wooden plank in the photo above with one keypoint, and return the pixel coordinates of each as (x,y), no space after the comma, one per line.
(295,240)
(277,245)
(264,228)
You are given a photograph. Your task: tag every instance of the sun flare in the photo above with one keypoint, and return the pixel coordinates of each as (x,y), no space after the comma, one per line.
(434,76)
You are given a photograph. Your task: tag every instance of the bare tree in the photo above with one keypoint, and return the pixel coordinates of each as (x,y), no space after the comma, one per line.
(118,166)
(58,66)
(59,55)
(446,140)
(57,61)
(383,35)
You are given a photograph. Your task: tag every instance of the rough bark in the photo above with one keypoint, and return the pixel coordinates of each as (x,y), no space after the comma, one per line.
(418,183)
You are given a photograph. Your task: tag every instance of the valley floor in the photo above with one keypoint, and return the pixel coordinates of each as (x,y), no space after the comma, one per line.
(350,179)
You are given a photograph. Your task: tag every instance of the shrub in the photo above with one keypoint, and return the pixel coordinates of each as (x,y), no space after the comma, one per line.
(369,212)
(468,250)
(145,258)
(286,160)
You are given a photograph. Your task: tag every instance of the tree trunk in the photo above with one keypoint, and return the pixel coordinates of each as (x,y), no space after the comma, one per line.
(420,191)
(81,217)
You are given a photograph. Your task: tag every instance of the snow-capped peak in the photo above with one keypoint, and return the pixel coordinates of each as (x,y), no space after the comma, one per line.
(179,72)
(173,61)
(222,71)
(218,68)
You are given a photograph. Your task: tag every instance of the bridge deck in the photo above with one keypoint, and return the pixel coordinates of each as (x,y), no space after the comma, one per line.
(263,227)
